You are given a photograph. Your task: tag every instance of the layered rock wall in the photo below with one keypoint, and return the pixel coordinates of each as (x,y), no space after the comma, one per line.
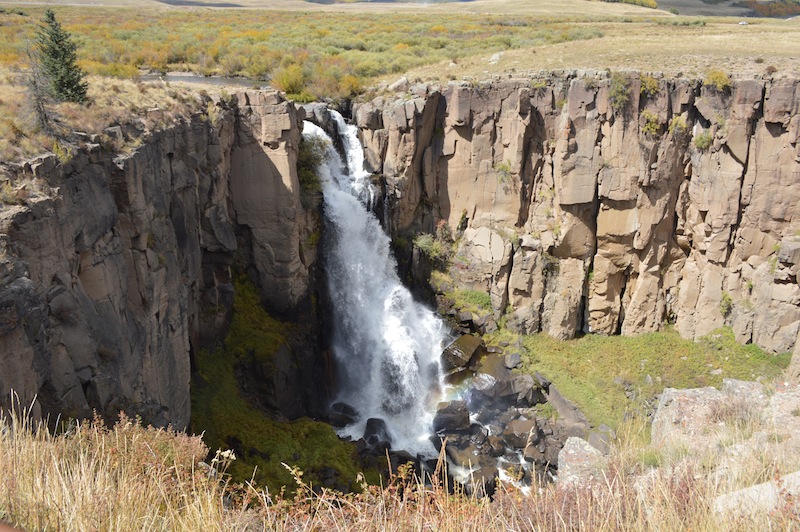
(112,279)
(588,204)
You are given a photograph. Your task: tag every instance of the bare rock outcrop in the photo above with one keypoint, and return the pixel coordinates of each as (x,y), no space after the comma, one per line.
(110,281)
(580,209)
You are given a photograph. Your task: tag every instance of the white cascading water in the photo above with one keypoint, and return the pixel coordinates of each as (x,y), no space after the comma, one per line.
(386,345)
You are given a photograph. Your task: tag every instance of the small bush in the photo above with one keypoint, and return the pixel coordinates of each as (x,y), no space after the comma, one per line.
(726,305)
(650,86)
(719,80)
(290,79)
(651,124)
(677,126)
(431,246)
(619,91)
(703,141)
(503,172)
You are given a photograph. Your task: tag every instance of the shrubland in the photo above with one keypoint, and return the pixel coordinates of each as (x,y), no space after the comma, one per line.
(138,108)
(308,55)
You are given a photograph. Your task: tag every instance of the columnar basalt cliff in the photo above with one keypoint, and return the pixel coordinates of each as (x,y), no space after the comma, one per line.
(597,204)
(112,280)
(576,211)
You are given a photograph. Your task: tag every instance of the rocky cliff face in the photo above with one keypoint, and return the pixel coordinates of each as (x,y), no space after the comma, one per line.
(112,280)
(576,211)
(591,204)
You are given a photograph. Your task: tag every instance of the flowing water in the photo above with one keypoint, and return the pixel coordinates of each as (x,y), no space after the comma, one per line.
(386,345)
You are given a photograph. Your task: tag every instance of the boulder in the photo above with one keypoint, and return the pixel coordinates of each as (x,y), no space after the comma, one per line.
(482,482)
(513,360)
(520,432)
(526,391)
(496,446)
(376,434)
(761,499)
(461,352)
(341,414)
(451,417)
(533,454)
(579,463)
(567,410)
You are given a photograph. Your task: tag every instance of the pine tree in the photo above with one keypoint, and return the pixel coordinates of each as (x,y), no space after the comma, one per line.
(58,60)
(39,98)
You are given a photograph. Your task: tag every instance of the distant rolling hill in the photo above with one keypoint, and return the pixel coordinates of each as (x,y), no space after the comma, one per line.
(706,8)
(732,8)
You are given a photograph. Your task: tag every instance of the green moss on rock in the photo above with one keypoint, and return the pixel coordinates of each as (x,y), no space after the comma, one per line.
(229,421)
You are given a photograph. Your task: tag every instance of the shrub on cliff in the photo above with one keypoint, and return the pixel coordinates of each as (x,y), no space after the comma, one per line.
(651,124)
(718,79)
(619,92)
(432,247)
(56,57)
(703,140)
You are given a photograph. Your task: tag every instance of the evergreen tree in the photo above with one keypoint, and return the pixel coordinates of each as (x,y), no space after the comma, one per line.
(39,98)
(58,60)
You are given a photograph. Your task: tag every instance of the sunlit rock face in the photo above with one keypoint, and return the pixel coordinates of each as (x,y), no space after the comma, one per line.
(579,212)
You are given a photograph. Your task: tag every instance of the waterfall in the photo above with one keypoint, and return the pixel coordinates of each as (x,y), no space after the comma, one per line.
(386,345)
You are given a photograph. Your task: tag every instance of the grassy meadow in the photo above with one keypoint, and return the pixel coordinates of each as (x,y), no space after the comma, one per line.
(314,51)
(597,371)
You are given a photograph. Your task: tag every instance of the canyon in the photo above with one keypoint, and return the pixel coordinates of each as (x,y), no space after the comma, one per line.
(577,212)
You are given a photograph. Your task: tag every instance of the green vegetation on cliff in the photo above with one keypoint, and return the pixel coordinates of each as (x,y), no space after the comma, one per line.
(229,420)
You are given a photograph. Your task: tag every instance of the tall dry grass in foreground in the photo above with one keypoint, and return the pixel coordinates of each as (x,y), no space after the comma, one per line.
(130,477)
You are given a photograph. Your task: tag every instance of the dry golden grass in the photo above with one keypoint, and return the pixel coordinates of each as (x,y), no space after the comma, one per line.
(139,108)
(690,51)
(129,477)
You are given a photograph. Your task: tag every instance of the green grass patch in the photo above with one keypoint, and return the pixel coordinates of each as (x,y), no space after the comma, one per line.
(585,369)
(311,153)
(472,300)
(225,416)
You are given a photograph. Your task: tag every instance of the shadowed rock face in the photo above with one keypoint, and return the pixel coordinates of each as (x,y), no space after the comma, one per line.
(581,216)
(110,282)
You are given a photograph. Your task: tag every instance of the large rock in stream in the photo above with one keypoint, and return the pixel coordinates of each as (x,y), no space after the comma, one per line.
(451,416)
(464,350)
